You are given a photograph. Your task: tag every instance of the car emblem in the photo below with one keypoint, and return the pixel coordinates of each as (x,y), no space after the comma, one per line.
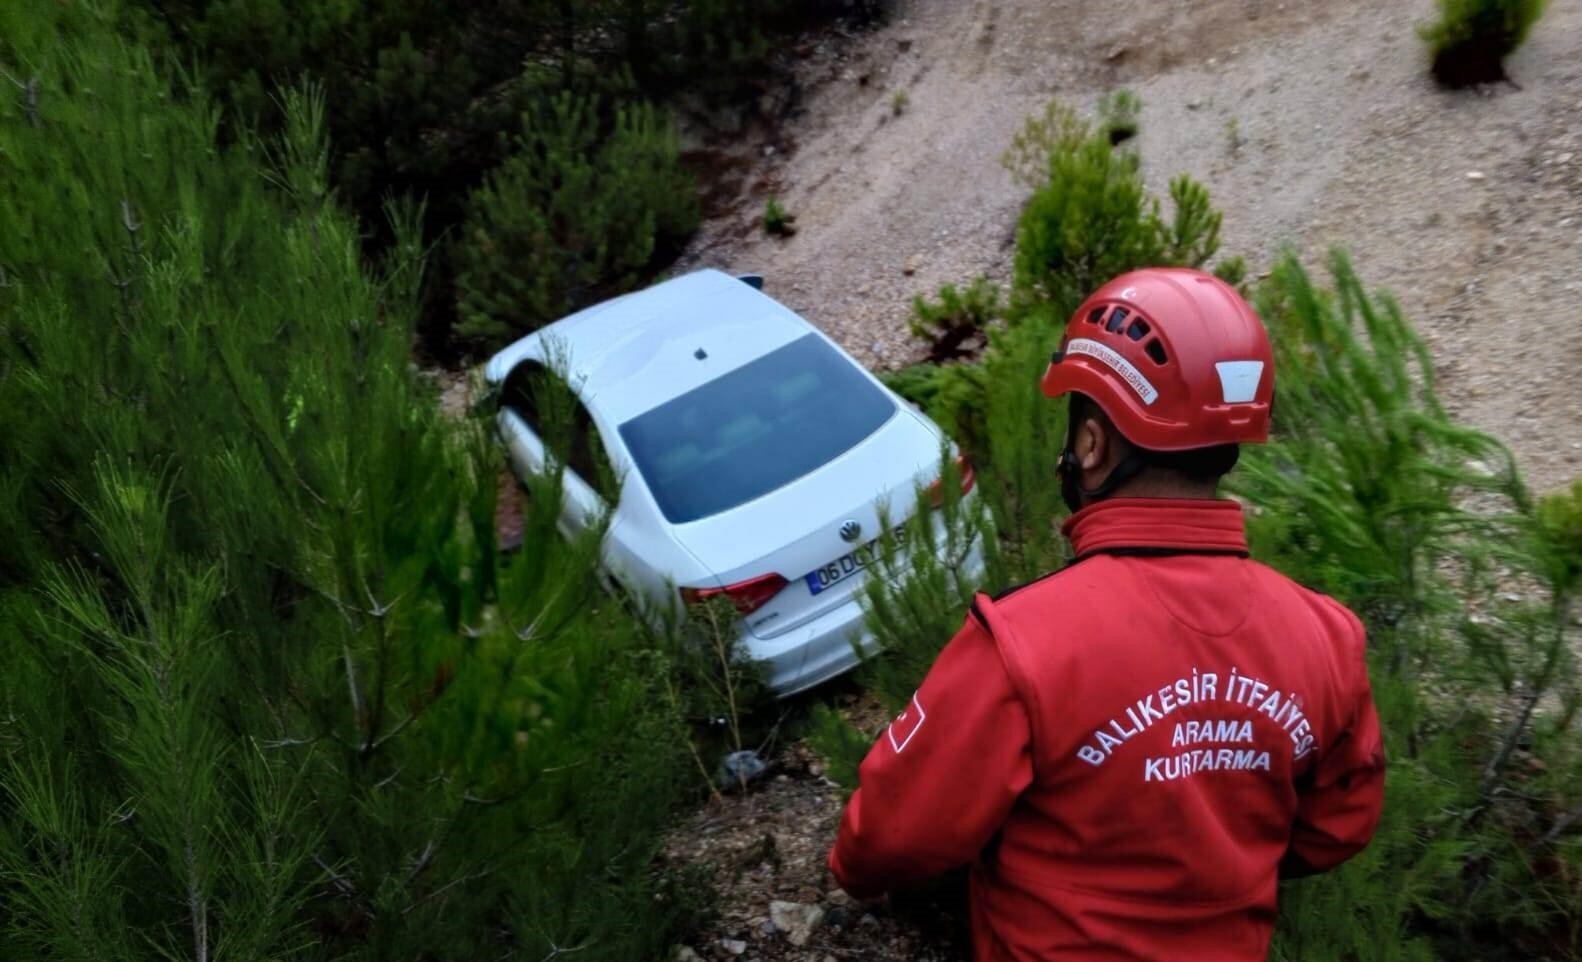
(850,530)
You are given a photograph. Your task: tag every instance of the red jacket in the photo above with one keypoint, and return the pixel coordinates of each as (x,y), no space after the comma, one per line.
(1130,752)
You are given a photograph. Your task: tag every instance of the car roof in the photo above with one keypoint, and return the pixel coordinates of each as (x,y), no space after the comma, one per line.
(637,351)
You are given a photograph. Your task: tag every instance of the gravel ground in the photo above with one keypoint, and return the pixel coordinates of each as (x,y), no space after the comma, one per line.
(778,901)
(1312,123)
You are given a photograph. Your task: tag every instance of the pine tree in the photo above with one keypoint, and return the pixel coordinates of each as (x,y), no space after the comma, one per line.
(268,694)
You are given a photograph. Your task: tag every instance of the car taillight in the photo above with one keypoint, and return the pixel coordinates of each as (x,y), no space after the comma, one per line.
(748,596)
(936,491)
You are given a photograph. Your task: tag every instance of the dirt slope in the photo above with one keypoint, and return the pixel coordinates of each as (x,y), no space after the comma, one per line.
(1312,123)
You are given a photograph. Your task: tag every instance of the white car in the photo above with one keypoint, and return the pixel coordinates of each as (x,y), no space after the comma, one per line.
(754,457)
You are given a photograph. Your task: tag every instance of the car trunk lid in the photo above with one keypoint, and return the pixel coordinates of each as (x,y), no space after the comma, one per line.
(797,529)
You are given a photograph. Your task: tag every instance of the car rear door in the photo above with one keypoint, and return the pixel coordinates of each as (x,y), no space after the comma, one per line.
(535,423)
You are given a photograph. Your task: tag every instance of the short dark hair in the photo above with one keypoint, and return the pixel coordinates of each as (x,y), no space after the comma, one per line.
(1197,464)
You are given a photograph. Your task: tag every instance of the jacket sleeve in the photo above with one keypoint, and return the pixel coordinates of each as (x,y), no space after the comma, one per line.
(941,779)
(1338,806)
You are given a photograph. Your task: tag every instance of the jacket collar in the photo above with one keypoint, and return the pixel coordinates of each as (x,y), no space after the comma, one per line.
(1158,524)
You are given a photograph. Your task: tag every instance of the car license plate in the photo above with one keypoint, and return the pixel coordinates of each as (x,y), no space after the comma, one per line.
(845,566)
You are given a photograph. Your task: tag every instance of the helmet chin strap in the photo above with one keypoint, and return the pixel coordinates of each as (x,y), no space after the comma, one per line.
(1077,497)
(1070,471)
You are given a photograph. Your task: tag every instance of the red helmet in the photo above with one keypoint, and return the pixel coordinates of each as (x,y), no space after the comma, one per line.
(1175,357)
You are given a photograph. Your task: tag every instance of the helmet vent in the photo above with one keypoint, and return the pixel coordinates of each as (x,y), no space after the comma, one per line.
(1138,330)
(1096,315)
(1117,319)
(1156,351)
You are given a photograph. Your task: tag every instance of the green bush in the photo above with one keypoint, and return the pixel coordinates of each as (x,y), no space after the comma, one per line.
(922,584)
(1013,436)
(1471,39)
(777,221)
(426,98)
(956,325)
(1118,115)
(1365,495)
(268,693)
(574,215)
(1560,535)
(1089,218)
(841,744)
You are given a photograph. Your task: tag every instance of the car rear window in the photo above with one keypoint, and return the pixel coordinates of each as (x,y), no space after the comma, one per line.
(754,429)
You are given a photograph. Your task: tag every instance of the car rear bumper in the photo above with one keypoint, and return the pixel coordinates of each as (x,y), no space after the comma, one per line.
(825,647)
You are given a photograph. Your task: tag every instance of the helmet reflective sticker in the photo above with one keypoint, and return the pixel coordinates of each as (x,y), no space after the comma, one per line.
(1238,380)
(1118,364)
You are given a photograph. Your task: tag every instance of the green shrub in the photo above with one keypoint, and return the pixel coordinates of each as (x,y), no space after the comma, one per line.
(426,98)
(841,744)
(777,222)
(956,325)
(1013,436)
(922,584)
(1560,530)
(268,693)
(574,215)
(1365,495)
(1471,39)
(1118,115)
(1089,218)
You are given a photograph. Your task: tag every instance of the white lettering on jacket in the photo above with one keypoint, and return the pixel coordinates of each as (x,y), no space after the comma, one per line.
(1280,708)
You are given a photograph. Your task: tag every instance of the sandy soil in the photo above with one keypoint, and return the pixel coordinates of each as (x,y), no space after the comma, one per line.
(1312,123)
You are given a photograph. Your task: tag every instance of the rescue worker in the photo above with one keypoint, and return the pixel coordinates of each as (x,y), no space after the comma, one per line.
(1132,751)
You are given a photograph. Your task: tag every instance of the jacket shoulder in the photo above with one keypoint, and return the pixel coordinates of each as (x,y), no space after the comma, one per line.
(1333,617)
(1028,604)
(1054,583)
(1325,605)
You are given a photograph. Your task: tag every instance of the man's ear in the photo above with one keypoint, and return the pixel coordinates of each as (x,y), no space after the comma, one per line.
(1092,445)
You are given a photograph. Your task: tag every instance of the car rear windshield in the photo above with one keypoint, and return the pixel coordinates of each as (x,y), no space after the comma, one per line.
(754,429)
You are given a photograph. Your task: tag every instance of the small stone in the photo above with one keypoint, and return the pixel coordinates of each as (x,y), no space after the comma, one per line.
(1564,158)
(796,919)
(769,150)
(838,896)
(1475,175)
(688,954)
(733,946)
(912,264)
(739,769)
(1511,597)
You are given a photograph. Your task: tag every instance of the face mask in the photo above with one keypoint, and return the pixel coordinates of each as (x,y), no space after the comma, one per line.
(1070,487)
(1068,468)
